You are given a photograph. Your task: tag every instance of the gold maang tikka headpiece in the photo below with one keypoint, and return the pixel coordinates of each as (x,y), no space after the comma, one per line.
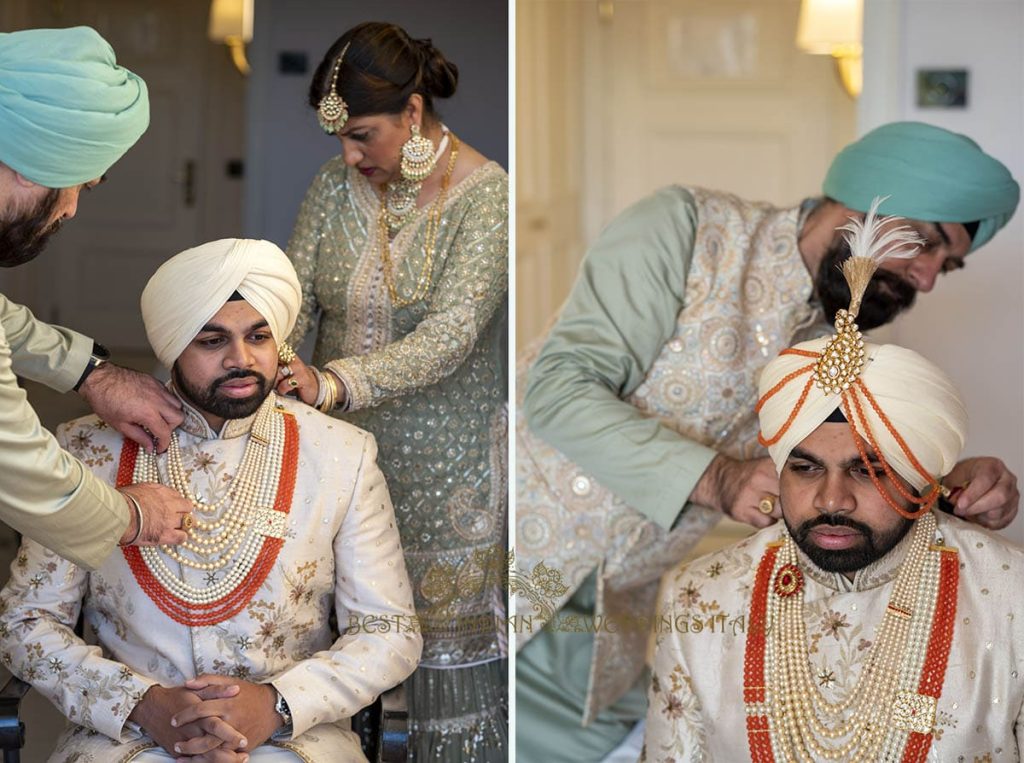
(843,357)
(332,111)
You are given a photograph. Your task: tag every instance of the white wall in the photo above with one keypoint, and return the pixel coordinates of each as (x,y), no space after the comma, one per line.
(285,144)
(972,325)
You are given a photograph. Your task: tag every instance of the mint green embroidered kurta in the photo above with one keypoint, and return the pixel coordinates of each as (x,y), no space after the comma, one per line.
(617,302)
(677,306)
(429,381)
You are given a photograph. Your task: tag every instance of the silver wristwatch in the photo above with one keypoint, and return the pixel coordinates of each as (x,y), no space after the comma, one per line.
(281,706)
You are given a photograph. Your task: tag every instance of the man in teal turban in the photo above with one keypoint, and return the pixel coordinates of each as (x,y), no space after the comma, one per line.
(928,174)
(636,429)
(67,113)
(955,194)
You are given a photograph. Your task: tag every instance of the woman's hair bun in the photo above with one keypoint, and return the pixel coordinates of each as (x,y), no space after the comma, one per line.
(440,76)
(381,68)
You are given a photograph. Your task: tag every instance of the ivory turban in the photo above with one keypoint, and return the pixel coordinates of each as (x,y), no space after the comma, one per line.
(919,400)
(189,289)
(67,110)
(929,174)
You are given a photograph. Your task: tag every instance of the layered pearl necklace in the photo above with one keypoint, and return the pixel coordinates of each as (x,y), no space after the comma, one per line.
(244,528)
(891,709)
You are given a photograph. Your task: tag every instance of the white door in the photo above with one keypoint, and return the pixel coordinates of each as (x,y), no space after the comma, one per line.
(549,195)
(711,93)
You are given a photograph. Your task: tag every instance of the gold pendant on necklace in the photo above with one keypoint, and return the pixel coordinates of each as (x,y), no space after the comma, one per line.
(423,282)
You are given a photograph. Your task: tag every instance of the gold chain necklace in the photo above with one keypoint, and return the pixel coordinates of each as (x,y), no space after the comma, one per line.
(429,238)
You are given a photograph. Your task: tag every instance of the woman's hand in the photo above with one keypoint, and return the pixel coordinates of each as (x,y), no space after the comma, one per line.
(300,382)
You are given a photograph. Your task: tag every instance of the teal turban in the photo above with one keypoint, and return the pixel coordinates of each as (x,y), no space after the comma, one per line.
(67,110)
(929,174)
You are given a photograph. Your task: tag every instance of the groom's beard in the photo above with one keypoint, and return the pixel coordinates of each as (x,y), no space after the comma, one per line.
(873,546)
(25,234)
(210,400)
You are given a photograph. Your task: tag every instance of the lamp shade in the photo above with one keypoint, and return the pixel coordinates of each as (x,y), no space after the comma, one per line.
(826,25)
(231,19)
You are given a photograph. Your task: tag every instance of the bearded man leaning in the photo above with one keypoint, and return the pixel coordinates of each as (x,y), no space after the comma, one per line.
(68,112)
(228,634)
(637,430)
(871,626)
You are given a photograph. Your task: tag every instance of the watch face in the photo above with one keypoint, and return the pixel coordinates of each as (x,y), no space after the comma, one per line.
(100,351)
(282,707)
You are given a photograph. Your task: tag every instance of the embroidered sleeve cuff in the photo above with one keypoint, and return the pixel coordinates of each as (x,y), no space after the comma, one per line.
(110,716)
(358,393)
(306,711)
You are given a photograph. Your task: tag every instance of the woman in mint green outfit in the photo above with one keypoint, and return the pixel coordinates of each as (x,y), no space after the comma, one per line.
(401,246)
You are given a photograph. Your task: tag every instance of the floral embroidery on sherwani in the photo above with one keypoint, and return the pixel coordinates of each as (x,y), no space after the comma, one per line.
(679,705)
(342,553)
(697,709)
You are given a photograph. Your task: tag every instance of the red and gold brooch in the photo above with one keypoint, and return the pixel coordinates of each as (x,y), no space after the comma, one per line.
(789,580)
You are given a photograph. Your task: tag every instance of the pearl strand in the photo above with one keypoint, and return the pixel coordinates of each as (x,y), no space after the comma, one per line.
(794,702)
(253,488)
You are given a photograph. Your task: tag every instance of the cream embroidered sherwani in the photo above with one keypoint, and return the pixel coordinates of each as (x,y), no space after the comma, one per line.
(696,708)
(44,493)
(341,552)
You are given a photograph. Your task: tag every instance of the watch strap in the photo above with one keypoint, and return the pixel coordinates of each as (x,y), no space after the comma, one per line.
(99,356)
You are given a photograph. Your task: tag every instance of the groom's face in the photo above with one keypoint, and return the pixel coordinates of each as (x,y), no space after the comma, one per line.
(229,368)
(831,505)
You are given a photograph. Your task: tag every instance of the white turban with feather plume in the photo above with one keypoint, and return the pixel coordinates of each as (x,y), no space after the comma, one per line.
(903,407)
(918,399)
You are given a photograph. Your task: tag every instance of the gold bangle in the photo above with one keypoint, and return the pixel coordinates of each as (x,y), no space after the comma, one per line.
(331,398)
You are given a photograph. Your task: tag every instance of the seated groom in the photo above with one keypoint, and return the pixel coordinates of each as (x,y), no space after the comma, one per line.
(227,633)
(870,626)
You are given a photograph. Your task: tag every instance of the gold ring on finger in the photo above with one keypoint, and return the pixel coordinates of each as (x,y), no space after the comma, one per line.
(293,383)
(187,522)
(766,504)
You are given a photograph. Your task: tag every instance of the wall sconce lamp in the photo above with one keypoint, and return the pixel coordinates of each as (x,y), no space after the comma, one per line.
(231,24)
(834,27)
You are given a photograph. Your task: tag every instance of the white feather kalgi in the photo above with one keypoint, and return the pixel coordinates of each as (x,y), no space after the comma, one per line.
(872,241)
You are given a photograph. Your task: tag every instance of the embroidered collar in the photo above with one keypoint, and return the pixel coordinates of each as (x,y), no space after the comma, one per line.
(876,574)
(197,426)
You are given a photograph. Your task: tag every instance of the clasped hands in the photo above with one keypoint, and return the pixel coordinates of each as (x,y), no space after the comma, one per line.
(211,719)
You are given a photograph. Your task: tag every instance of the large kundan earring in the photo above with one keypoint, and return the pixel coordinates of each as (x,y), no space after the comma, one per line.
(418,159)
(332,111)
